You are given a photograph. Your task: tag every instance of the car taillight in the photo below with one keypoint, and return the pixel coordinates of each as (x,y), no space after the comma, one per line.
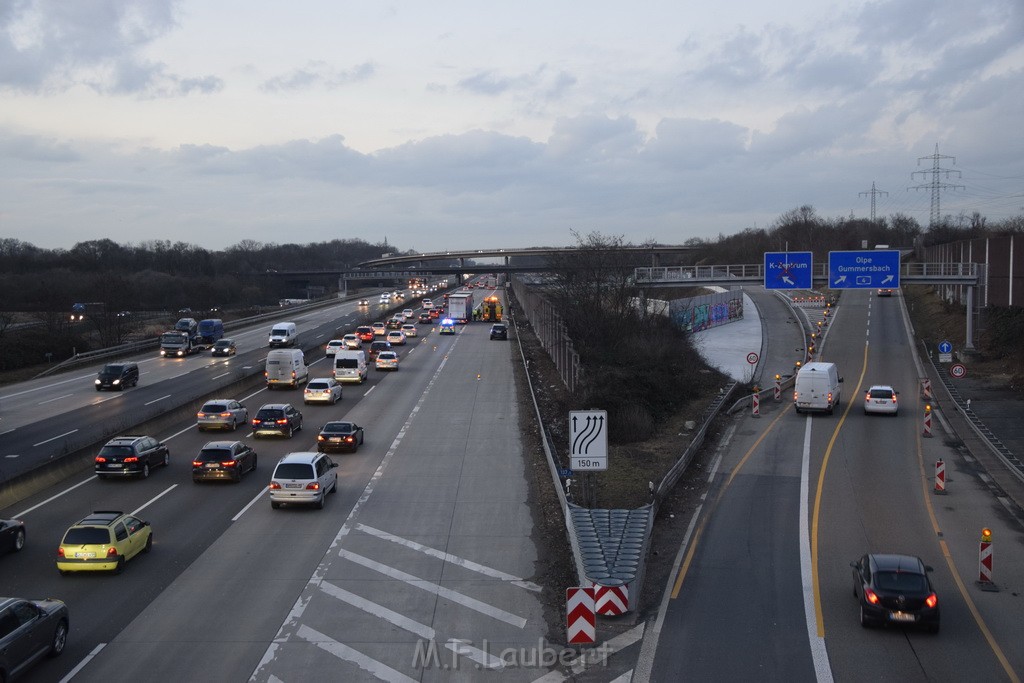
(315,486)
(228,463)
(830,397)
(274,486)
(871,596)
(225,414)
(348,438)
(131,459)
(111,551)
(867,396)
(794,395)
(293,374)
(255,421)
(100,458)
(281,422)
(932,600)
(197,463)
(321,437)
(266,374)
(894,398)
(60,552)
(200,415)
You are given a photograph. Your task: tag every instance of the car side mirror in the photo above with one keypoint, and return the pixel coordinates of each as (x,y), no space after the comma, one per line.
(840,379)
(333,464)
(929,569)
(853,564)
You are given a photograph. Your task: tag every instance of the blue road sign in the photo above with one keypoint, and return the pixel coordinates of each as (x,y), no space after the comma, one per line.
(564,472)
(864,269)
(787,269)
(945,347)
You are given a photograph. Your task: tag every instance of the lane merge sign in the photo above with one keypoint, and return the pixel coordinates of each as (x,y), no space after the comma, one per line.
(588,440)
(864,269)
(788,269)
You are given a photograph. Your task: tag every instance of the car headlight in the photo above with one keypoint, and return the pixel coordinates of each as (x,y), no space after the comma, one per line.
(117,381)
(99,382)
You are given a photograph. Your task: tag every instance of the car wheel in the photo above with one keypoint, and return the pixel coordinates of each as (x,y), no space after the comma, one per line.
(334,486)
(60,638)
(274,505)
(320,502)
(234,424)
(19,540)
(149,543)
(167,458)
(865,621)
(290,431)
(120,565)
(145,470)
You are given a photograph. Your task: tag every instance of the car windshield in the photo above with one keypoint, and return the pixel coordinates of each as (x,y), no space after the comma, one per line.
(223,344)
(214,454)
(903,582)
(269,414)
(116,451)
(318,384)
(294,470)
(214,408)
(881,393)
(387,355)
(279,331)
(86,535)
(337,427)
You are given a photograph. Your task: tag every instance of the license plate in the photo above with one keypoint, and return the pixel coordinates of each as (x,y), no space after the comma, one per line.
(335,439)
(115,467)
(293,486)
(211,465)
(85,554)
(902,616)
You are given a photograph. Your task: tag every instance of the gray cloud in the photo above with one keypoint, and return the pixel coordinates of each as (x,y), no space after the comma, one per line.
(319,74)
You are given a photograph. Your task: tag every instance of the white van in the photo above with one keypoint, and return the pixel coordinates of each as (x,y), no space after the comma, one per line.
(817,387)
(283,334)
(286,367)
(350,366)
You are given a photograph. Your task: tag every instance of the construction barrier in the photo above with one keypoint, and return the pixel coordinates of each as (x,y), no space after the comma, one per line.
(778,387)
(580,619)
(755,403)
(985,560)
(926,389)
(611,601)
(940,477)
(927,421)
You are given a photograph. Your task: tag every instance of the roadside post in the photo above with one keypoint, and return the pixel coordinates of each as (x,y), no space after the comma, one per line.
(778,387)
(985,562)
(927,421)
(926,389)
(940,477)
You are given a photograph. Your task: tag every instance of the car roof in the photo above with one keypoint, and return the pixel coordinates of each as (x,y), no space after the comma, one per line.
(100,518)
(339,423)
(126,439)
(306,457)
(898,563)
(275,406)
(219,400)
(880,387)
(220,444)
(335,341)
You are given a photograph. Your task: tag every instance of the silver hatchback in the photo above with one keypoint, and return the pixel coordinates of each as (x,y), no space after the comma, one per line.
(221,413)
(303,479)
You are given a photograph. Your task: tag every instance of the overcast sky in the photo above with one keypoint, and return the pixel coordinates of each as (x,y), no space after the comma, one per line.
(474,124)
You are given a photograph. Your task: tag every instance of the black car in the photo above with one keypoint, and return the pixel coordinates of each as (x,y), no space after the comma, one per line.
(376,347)
(276,418)
(499,331)
(224,347)
(339,436)
(223,460)
(29,631)
(425,319)
(12,535)
(117,376)
(895,589)
(395,323)
(131,456)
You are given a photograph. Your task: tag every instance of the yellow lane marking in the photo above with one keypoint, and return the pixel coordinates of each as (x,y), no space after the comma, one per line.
(700,529)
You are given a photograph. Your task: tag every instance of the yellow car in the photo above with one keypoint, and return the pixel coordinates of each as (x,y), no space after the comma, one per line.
(103,541)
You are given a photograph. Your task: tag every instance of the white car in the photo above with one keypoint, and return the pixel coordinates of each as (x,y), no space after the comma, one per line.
(407,314)
(409,331)
(396,338)
(322,390)
(334,346)
(386,360)
(385,298)
(351,341)
(428,303)
(881,399)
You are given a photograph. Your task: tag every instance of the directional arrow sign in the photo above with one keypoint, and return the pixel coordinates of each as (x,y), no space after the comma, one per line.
(864,269)
(787,269)
(588,440)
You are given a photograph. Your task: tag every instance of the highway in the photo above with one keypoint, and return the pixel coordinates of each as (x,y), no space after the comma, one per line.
(765,590)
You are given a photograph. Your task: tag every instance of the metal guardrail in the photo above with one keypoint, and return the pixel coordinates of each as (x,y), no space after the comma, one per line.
(1008,458)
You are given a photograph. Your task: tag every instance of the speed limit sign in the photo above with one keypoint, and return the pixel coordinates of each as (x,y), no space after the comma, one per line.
(957,370)
(752,358)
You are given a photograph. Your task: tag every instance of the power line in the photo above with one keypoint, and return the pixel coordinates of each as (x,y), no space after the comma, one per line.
(936,185)
(873,192)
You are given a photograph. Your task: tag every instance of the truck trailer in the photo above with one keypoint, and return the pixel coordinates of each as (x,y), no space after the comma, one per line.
(460,307)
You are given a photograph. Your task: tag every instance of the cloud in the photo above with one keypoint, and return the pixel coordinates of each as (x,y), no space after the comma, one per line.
(318,74)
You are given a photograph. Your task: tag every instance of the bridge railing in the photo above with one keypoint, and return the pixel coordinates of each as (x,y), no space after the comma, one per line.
(912,271)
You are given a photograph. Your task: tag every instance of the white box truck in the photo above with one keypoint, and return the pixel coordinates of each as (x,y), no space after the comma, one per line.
(817,387)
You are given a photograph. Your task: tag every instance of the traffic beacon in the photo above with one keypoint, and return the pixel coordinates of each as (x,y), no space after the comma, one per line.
(985,562)
(927,420)
(778,387)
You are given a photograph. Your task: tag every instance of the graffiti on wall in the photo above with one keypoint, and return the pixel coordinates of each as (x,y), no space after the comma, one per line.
(711,310)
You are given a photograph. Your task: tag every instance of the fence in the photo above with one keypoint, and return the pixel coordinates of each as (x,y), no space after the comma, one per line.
(550,330)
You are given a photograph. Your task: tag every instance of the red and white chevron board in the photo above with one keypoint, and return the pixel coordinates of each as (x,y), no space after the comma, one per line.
(579,616)
(611,600)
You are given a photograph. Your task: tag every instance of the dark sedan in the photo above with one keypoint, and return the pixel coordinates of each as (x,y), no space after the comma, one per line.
(894,589)
(29,631)
(223,460)
(339,437)
(12,535)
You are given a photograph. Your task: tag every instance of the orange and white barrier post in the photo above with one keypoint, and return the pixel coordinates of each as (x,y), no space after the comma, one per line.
(778,388)
(940,477)
(985,560)
(926,389)
(755,403)
(927,421)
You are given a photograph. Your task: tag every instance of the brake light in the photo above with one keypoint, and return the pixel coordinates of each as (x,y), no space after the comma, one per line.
(348,438)
(100,459)
(894,398)
(830,397)
(228,463)
(274,486)
(255,421)
(265,374)
(321,437)
(315,486)
(200,415)
(225,414)
(111,551)
(932,600)
(871,596)
(794,395)
(131,459)
(293,374)
(867,396)
(197,463)
(281,422)
(60,551)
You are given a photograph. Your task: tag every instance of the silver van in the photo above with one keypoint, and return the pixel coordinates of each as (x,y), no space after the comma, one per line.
(303,479)
(285,367)
(283,334)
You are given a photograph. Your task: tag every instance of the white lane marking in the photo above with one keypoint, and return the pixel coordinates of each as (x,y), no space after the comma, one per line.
(13,455)
(223,374)
(624,678)
(369,390)
(819,654)
(341,651)
(156,400)
(88,658)
(451,559)
(54,497)
(436,589)
(484,659)
(51,400)
(47,386)
(154,499)
(54,438)
(401,621)
(250,504)
(299,608)
(8,431)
